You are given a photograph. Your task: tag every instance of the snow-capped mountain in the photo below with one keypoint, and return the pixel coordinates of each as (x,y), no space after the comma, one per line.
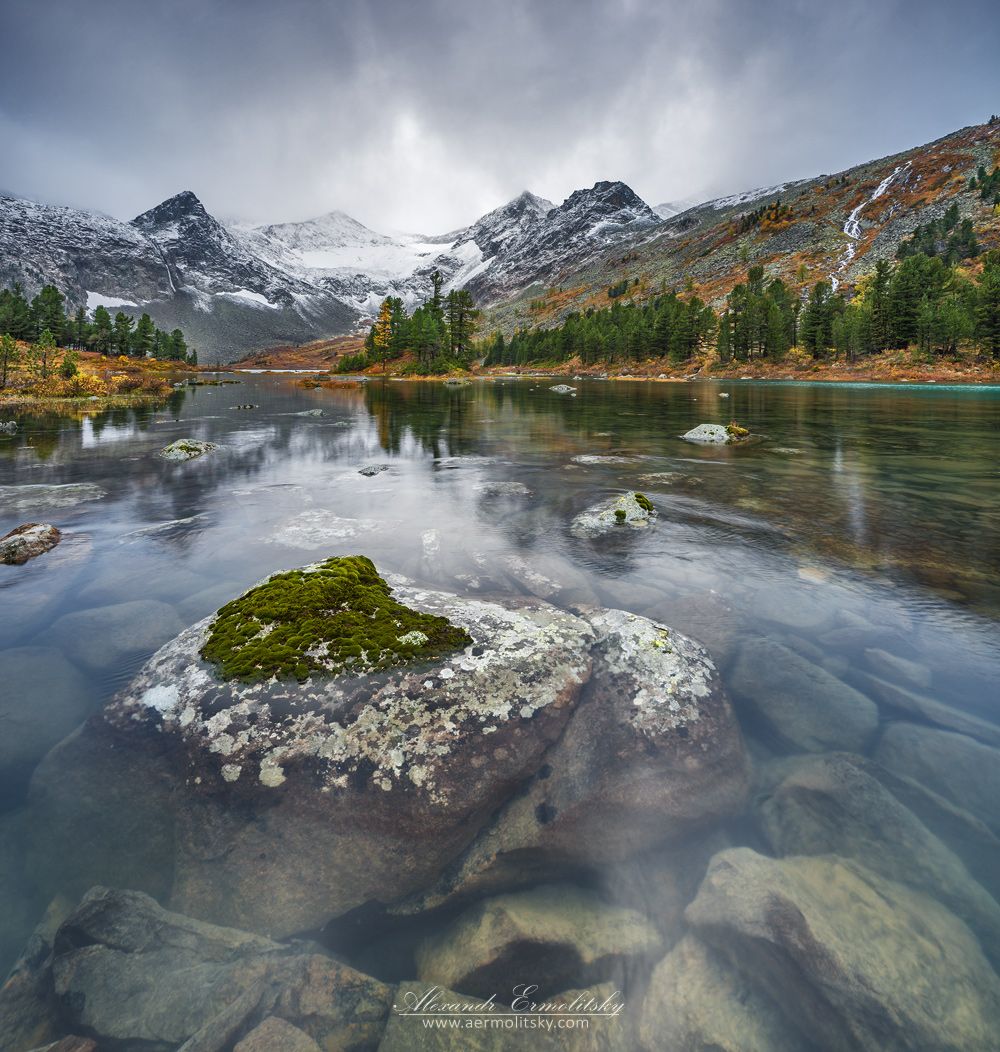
(237,288)
(174,262)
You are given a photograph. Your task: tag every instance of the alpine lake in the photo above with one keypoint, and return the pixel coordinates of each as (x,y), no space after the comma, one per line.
(849,549)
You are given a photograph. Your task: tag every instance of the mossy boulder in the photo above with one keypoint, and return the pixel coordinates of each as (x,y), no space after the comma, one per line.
(716,434)
(634,510)
(295,801)
(186,449)
(337,616)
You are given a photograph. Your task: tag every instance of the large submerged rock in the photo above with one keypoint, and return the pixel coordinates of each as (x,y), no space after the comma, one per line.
(345,779)
(138,976)
(855,961)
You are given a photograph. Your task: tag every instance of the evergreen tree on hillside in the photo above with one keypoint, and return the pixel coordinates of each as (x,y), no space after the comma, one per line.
(10,355)
(121,336)
(988,306)
(48,313)
(102,333)
(144,337)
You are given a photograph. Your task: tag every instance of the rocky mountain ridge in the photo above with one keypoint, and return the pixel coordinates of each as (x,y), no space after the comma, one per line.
(236,288)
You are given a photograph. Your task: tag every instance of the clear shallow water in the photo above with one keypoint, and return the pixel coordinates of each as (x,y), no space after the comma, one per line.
(861,517)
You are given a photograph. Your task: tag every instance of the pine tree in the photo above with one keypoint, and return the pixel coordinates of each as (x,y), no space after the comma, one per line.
(44,349)
(988,305)
(121,337)
(48,313)
(10,355)
(144,337)
(101,334)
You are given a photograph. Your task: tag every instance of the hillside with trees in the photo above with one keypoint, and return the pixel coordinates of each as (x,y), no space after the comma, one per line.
(436,338)
(920,302)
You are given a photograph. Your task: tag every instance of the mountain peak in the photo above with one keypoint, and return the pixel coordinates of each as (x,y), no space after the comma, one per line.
(184,205)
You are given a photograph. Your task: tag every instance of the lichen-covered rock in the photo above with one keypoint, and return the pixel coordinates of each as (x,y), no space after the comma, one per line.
(8,427)
(798,705)
(555,936)
(27,542)
(137,975)
(294,802)
(371,470)
(562,389)
(716,434)
(697,1002)
(631,509)
(830,805)
(854,961)
(652,752)
(186,449)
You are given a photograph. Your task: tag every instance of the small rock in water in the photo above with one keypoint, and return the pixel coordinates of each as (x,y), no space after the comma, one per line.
(28,541)
(716,434)
(562,389)
(186,449)
(630,509)
(8,427)
(309,412)
(372,469)
(247,405)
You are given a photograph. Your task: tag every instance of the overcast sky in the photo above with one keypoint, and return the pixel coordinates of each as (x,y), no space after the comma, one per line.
(423,115)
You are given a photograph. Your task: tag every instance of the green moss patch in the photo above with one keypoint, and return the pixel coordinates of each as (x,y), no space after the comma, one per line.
(337,616)
(643,501)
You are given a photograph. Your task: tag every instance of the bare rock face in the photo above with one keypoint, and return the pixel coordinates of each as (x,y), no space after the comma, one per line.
(652,752)
(856,962)
(27,542)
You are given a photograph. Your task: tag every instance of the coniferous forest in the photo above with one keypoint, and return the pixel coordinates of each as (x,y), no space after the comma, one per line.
(924,301)
(30,321)
(438,333)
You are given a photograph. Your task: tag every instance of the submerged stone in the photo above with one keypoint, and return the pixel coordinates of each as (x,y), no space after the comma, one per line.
(854,961)
(554,937)
(34,497)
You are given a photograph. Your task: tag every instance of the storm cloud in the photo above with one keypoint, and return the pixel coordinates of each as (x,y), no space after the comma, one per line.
(422,116)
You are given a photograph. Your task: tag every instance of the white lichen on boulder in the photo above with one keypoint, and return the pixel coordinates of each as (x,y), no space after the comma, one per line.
(631,509)
(186,449)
